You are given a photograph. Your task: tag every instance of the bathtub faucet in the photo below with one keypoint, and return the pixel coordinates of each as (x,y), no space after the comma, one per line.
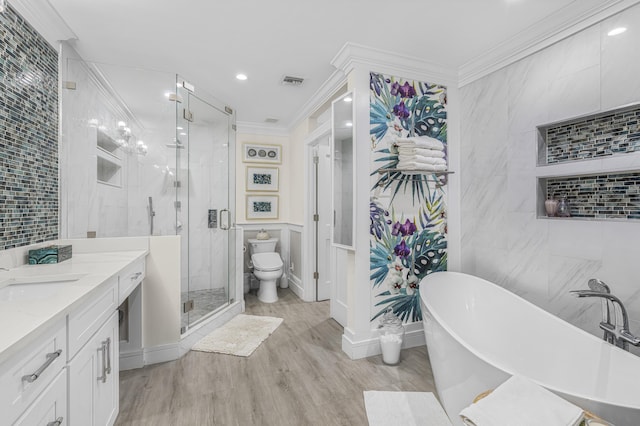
(617,333)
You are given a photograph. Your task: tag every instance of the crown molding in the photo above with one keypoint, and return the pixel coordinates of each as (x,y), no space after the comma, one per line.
(537,37)
(353,55)
(45,19)
(260,129)
(324,94)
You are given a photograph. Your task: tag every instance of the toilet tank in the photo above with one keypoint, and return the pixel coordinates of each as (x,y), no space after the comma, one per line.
(262,246)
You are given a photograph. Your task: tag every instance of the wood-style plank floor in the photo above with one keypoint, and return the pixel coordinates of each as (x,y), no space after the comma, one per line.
(299,376)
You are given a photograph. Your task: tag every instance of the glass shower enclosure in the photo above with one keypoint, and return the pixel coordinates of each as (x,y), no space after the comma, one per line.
(146,153)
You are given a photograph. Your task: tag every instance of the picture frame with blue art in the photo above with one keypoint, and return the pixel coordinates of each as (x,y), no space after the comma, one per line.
(262,207)
(262,179)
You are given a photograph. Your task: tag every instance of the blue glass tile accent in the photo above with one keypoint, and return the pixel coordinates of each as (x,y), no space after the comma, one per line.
(28,134)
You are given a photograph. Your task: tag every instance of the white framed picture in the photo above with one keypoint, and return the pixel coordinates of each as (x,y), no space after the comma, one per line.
(262,206)
(262,179)
(261,153)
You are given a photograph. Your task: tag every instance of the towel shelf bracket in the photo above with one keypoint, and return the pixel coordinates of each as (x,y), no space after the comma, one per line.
(425,175)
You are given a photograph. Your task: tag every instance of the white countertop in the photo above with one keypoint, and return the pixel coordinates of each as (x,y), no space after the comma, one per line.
(23,321)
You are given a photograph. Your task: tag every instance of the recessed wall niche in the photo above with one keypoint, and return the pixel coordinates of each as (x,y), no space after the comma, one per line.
(28,134)
(598,135)
(593,162)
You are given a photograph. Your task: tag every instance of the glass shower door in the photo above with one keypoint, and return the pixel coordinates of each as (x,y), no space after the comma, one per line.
(203,196)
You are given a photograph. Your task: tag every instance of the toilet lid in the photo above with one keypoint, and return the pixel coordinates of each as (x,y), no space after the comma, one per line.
(267,261)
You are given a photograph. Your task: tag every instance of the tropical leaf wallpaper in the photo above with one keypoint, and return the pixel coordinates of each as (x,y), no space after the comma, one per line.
(407,212)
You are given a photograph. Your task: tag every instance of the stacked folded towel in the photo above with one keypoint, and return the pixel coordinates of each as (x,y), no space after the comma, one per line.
(519,401)
(420,153)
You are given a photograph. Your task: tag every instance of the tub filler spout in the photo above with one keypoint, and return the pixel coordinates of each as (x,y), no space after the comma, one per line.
(617,332)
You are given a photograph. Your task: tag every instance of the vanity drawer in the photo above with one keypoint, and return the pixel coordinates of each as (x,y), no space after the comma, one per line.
(85,321)
(50,407)
(130,277)
(31,370)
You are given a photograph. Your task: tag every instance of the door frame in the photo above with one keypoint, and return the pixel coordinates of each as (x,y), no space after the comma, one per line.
(308,236)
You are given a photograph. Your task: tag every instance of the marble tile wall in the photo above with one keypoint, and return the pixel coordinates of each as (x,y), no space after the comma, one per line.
(502,239)
(28,134)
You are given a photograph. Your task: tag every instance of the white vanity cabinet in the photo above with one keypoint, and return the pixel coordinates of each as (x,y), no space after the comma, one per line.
(61,365)
(93,379)
(93,359)
(26,378)
(50,408)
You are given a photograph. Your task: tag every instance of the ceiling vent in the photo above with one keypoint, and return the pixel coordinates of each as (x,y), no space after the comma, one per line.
(288,80)
(271,120)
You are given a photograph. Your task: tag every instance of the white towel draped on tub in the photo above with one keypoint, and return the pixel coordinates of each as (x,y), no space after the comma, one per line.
(519,401)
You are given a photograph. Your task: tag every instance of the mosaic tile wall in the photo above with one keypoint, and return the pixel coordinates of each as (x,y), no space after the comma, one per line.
(605,196)
(595,136)
(28,134)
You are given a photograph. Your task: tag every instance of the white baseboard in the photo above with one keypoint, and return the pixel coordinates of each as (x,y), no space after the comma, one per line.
(131,360)
(357,349)
(296,286)
(161,353)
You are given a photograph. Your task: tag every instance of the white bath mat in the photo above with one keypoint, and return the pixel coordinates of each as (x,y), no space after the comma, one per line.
(404,408)
(240,336)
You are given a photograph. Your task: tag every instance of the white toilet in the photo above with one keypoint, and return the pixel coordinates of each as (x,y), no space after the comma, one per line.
(267,267)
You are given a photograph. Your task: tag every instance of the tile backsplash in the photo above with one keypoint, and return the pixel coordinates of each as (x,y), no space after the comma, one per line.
(28,134)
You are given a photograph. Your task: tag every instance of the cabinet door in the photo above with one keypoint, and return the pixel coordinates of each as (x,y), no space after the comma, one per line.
(93,379)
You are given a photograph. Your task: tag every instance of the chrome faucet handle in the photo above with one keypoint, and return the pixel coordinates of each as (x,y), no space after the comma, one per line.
(629,338)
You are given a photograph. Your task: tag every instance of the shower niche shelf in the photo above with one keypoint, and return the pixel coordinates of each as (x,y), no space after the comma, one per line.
(107,143)
(594,162)
(108,161)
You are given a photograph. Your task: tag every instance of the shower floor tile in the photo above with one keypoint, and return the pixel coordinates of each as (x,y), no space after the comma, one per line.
(204,302)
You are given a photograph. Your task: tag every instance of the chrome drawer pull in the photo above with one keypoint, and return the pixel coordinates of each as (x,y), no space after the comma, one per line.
(30,378)
(103,348)
(109,355)
(136,276)
(57,422)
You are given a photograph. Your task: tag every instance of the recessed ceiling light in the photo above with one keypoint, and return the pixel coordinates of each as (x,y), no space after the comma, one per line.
(348,99)
(616,31)
(349,124)
(241,77)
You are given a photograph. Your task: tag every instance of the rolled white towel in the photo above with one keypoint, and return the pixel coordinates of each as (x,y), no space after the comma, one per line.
(420,159)
(519,401)
(420,151)
(425,167)
(420,142)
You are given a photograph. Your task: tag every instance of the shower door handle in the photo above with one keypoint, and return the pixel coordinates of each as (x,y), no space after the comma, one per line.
(224,224)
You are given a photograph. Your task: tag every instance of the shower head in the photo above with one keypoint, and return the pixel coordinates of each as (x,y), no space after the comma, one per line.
(599,286)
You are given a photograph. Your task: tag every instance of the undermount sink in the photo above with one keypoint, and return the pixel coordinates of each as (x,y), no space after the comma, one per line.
(34,288)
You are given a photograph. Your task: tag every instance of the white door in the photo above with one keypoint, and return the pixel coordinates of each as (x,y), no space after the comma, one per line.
(323,240)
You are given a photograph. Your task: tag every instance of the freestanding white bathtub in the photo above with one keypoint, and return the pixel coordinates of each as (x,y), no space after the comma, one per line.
(479,334)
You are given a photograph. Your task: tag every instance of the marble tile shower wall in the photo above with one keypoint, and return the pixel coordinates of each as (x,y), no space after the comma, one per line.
(28,134)
(501,238)
(606,196)
(599,136)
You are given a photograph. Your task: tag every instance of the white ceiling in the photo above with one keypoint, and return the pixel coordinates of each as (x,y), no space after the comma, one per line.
(209,41)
